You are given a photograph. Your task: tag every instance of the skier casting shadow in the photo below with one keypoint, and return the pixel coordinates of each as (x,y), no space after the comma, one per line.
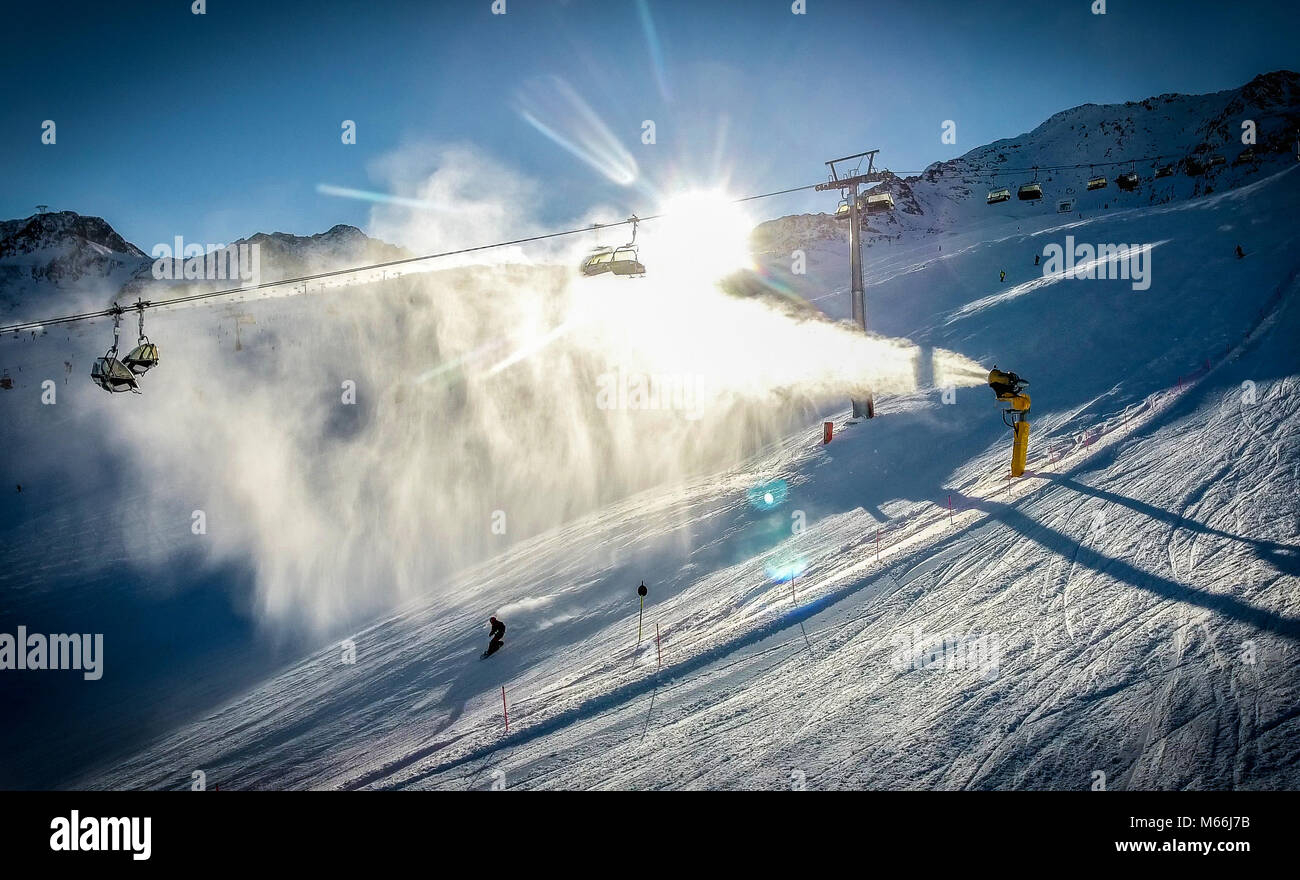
(498,638)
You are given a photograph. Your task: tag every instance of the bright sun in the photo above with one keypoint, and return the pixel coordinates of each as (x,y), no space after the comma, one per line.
(702,235)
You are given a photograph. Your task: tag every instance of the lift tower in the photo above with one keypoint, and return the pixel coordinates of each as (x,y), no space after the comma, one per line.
(850,184)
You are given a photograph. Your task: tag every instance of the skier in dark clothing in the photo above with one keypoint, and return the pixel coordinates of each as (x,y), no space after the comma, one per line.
(498,637)
(1240,252)
(1035,259)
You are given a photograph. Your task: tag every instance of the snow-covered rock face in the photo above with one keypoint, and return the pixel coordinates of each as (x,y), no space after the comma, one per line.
(61,249)
(287,255)
(65,260)
(1177,130)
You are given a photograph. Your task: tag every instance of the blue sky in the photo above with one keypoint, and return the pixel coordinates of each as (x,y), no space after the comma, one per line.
(217,126)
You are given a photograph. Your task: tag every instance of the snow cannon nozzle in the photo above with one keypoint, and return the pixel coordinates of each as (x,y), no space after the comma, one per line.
(1005,384)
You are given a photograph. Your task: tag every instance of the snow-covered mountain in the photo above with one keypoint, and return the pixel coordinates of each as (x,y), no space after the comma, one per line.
(58,261)
(1184,131)
(283,255)
(45,255)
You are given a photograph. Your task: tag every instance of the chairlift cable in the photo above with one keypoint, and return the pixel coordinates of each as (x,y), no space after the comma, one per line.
(232,291)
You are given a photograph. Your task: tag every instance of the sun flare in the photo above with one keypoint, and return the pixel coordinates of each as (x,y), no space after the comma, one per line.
(703,235)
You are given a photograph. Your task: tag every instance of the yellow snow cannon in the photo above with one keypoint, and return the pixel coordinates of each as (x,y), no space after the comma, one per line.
(1010,388)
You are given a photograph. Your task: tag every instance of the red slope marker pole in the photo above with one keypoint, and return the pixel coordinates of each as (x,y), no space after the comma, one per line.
(504,711)
(658,653)
(949,510)
(877,545)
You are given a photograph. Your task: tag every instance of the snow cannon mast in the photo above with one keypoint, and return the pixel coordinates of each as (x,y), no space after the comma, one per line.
(1010,388)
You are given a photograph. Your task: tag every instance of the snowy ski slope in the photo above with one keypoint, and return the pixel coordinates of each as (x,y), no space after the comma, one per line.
(1130,608)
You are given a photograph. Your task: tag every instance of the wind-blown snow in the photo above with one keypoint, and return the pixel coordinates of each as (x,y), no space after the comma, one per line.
(1129,608)
(1136,594)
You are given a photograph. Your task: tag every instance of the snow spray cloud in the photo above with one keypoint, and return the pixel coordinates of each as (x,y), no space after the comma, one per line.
(440,203)
(364,445)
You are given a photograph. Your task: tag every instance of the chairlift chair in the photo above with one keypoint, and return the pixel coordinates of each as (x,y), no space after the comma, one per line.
(624,262)
(1096,182)
(598,263)
(1217,159)
(1065,207)
(1164,171)
(110,373)
(877,203)
(1029,192)
(5,382)
(842,210)
(144,356)
(1128,181)
(615,260)
(999,195)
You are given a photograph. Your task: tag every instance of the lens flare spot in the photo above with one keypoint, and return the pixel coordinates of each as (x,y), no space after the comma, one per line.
(767,496)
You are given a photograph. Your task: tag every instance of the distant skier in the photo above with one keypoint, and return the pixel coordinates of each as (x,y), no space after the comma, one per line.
(498,637)
(1003,275)
(1035,259)
(1240,252)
